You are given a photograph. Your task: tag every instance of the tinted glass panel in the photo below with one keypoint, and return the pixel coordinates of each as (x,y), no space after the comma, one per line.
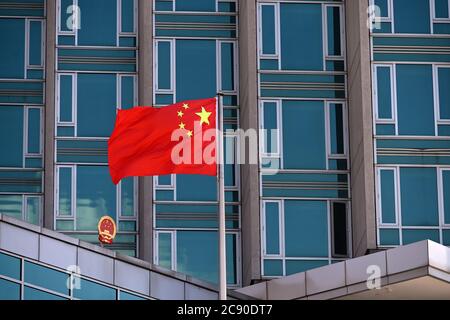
(268,29)
(411,16)
(272,226)
(11,136)
(387,190)
(95,30)
(46,278)
(12,55)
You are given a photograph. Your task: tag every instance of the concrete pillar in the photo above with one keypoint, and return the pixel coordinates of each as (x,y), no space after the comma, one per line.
(49,114)
(251,235)
(145,79)
(361,127)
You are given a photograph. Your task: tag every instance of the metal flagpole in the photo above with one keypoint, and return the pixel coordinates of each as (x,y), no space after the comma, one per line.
(221,183)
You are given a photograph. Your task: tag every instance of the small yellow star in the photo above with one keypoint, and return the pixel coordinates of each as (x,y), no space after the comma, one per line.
(204,116)
(190,134)
(182,125)
(185,106)
(180,114)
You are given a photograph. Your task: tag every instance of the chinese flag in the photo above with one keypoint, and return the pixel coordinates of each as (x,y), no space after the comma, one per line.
(179,138)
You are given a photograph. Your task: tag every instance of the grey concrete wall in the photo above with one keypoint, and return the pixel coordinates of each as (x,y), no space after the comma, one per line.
(49,114)
(251,236)
(361,127)
(145,79)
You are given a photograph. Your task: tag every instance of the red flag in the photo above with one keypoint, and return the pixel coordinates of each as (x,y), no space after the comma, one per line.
(180,138)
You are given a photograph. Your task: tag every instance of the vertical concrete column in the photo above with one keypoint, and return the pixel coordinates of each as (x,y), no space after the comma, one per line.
(251,235)
(145,79)
(49,115)
(361,127)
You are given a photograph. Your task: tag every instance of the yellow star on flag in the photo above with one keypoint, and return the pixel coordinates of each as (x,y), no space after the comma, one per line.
(182,125)
(190,134)
(185,106)
(180,114)
(204,116)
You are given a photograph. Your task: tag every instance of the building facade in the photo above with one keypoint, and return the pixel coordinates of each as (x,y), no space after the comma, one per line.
(354,95)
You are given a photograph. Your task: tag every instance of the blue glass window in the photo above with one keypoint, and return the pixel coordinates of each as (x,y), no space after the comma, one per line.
(411,16)
(227,66)
(270,123)
(9,290)
(164,65)
(33,212)
(129,296)
(46,278)
(65,98)
(165,250)
(127,197)
(297,266)
(11,136)
(96,196)
(268,21)
(412,236)
(334,31)
(34,131)
(273,268)
(446,195)
(35,56)
(441,8)
(272,227)
(444,93)
(304,144)
(127,16)
(196,188)
(387,194)
(384,92)
(93,291)
(301,36)
(65,191)
(11,206)
(95,31)
(96,107)
(306,228)
(337,143)
(34,294)
(12,54)
(198,78)
(9,266)
(197,255)
(127,94)
(197,5)
(415,103)
(419,198)
(384,7)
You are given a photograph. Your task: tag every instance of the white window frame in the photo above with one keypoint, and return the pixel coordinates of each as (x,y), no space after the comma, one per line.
(26,131)
(263,153)
(119,201)
(173,242)
(121,33)
(393,86)
(72,123)
(327,55)
(397,199)
(331,156)
(219,64)
(72,215)
(348,230)
(280,204)
(25,207)
(438,119)
(119,89)
(41,65)
(441,197)
(172,88)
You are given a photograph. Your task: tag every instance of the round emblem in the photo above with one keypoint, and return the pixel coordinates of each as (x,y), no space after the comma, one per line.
(106,230)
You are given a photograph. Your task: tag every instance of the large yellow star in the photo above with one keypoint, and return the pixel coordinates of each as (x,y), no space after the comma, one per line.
(182,125)
(185,106)
(204,116)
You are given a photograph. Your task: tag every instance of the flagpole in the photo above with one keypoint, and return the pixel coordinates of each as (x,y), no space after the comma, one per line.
(221,183)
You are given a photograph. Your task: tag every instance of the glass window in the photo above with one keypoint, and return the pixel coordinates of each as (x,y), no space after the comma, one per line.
(306,228)
(384,92)
(197,5)
(127,197)
(412,236)
(165,249)
(127,92)
(444,93)
(340,234)
(46,278)
(11,206)
(304,144)
(127,16)
(34,294)
(197,255)
(9,290)
(96,196)
(384,7)
(93,291)
(297,266)
(415,103)
(96,104)
(65,191)
(273,268)
(301,36)
(387,195)
(441,8)
(11,136)
(12,55)
(196,79)
(272,227)
(196,188)
(9,266)
(95,31)
(419,199)
(33,210)
(337,141)
(35,43)
(129,296)
(34,131)
(164,65)
(227,66)
(446,195)
(334,31)
(268,29)
(270,125)
(411,16)
(65,98)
